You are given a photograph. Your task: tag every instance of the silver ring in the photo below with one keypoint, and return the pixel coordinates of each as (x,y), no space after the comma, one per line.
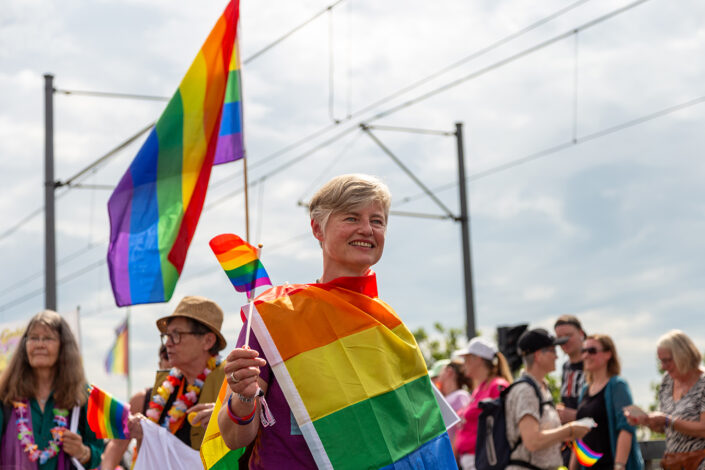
(232,376)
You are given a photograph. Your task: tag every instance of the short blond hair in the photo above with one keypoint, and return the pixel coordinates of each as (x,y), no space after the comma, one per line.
(348,192)
(685,354)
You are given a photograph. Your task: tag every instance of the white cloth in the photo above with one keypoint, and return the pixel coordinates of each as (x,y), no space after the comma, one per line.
(467,461)
(161,449)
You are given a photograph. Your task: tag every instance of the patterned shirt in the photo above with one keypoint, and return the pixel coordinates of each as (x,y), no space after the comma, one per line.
(688,408)
(572,383)
(522,401)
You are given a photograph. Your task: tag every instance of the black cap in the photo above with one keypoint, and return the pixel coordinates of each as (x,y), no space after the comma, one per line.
(538,338)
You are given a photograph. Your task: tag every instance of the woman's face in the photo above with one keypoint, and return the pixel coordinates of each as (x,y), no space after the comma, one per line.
(42,346)
(594,355)
(352,241)
(665,357)
(472,365)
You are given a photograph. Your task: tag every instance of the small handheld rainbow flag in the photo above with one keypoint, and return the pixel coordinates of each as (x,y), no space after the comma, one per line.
(240,262)
(117,361)
(107,417)
(585,455)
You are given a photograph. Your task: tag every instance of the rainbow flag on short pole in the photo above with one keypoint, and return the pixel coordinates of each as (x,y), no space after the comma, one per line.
(245,272)
(156,206)
(107,417)
(117,361)
(585,455)
(240,262)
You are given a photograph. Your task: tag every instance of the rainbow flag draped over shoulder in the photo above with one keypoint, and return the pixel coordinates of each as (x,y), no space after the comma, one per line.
(215,454)
(107,417)
(155,208)
(117,361)
(370,402)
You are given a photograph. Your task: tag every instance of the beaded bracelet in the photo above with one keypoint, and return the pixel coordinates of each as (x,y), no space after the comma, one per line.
(236,419)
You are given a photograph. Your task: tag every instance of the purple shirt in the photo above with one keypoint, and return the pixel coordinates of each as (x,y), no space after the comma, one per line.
(281,445)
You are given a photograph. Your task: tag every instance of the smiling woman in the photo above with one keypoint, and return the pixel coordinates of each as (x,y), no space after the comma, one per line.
(44,385)
(333,364)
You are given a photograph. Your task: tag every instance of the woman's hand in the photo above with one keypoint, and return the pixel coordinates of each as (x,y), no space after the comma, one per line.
(242,368)
(203,414)
(73,445)
(656,421)
(134,425)
(578,431)
(640,419)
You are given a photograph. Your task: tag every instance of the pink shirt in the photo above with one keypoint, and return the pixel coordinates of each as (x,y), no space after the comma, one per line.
(467,434)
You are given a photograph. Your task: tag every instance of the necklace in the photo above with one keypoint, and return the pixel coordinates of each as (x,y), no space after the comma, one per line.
(184,401)
(26,436)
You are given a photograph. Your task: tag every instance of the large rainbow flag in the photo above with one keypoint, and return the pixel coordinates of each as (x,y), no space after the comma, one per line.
(215,454)
(117,362)
(370,403)
(106,416)
(155,208)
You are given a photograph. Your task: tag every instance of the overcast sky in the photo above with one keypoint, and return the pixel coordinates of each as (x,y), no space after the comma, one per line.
(605,223)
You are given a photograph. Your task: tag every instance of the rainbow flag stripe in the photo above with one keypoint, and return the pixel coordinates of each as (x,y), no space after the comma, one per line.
(240,262)
(106,416)
(117,361)
(370,403)
(215,454)
(586,456)
(156,205)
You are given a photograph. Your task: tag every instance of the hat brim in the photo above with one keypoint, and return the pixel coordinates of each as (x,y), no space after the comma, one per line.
(162,323)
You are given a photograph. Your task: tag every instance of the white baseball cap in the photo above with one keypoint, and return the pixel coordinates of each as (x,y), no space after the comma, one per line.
(479,347)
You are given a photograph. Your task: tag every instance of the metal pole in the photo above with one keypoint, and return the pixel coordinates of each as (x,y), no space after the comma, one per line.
(49,236)
(465,233)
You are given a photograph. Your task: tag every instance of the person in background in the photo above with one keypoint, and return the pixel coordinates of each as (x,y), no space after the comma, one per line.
(681,397)
(40,390)
(488,368)
(435,371)
(115,448)
(603,398)
(536,436)
(454,385)
(192,338)
(572,377)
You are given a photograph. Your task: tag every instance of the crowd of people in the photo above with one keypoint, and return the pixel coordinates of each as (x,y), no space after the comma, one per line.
(43,390)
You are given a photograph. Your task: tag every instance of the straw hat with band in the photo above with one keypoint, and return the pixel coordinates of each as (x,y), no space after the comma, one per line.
(200,309)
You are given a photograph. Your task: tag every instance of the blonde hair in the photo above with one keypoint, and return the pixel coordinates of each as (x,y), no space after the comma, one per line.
(18,381)
(499,367)
(685,354)
(348,192)
(613,365)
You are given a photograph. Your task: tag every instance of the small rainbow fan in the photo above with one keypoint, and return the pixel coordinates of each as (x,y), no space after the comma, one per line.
(586,456)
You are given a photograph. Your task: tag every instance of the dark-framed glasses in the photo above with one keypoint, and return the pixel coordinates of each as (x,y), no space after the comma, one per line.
(592,350)
(175,336)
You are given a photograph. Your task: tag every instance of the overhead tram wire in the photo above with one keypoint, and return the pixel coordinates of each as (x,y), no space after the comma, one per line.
(419,82)
(424,96)
(559,147)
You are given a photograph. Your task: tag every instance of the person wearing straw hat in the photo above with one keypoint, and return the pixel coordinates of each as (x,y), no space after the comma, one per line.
(193,340)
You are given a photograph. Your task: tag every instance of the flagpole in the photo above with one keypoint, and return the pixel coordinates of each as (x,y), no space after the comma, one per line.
(127,354)
(247,205)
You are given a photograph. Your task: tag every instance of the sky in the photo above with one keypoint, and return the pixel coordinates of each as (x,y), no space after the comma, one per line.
(584,156)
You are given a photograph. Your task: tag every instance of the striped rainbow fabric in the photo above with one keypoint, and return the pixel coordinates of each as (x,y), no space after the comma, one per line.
(370,402)
(107,417)
(585,455)
(240,262)
(156,205)
(117,361)
(215,454)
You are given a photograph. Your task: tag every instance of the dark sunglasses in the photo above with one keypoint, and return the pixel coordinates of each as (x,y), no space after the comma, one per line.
(592,350)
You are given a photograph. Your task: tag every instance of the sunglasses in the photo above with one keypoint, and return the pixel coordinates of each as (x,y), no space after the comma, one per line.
(592,350)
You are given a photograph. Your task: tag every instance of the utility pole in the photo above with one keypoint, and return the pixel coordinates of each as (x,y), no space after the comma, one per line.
(49,185)
(465,233)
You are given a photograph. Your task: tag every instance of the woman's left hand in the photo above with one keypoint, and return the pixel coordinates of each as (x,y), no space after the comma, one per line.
(73,445)
(203,414)
(656,421)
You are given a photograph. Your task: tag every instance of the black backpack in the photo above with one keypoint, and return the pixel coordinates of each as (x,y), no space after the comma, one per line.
(493,451)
